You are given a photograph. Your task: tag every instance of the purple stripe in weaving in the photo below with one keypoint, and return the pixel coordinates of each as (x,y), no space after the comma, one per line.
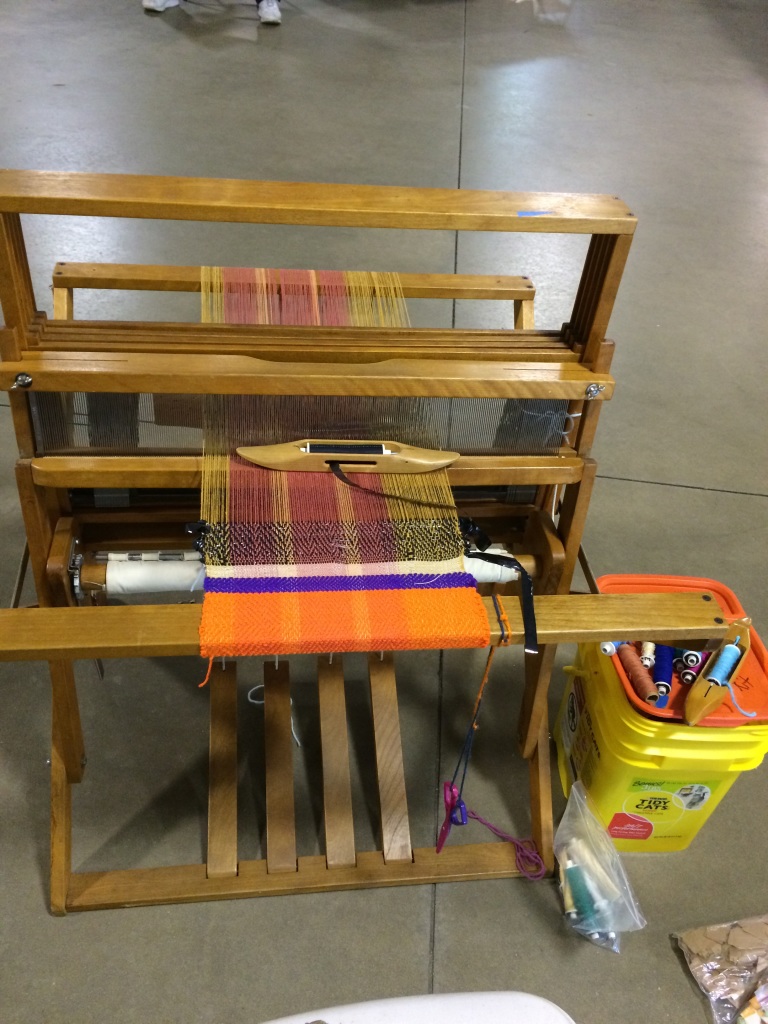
(292,585)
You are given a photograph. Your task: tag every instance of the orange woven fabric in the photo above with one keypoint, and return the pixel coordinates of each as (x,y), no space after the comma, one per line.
(317,622)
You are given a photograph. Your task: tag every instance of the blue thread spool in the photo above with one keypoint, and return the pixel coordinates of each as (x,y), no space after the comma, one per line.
(723,668)
(610,647)
(662,670)
(692,658)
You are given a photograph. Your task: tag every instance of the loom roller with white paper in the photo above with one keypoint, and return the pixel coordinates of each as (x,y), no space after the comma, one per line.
(153,572)
(124,573)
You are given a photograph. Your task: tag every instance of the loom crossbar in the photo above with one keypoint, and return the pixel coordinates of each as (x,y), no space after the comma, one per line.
(156,631)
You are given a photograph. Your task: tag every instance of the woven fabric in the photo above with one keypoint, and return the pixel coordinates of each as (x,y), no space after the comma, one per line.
(307,564)
(302,562)
(330,621)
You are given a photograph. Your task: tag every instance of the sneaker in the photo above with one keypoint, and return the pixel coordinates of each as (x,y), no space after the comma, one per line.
(158,5)
(269,12)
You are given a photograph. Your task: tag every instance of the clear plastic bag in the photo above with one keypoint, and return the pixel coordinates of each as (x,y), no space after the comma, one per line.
(756,1009)
(597,897)
(553,11)
(729,962)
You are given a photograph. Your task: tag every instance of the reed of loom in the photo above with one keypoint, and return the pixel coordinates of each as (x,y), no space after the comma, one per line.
(65,357)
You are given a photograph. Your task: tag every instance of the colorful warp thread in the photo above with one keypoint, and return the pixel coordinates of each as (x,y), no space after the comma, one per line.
(301,562)
(330,298)
(305,564)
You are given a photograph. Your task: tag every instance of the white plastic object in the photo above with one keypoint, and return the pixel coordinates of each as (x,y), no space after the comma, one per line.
(152,577)
(447,1008)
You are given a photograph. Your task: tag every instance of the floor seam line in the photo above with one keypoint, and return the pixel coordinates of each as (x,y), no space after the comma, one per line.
(685,487)
(461,136)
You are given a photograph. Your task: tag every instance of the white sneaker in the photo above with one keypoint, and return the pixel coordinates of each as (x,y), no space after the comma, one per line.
(158,5)
(269,12)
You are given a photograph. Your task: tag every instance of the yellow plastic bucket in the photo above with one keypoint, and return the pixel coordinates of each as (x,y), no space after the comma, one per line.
(654,783)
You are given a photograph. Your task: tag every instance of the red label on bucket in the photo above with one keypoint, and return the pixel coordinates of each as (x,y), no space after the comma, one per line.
(630,826)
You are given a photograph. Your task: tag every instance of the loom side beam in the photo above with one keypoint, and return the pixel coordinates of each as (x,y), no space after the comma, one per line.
(126,372)
(35,634)
(280,202)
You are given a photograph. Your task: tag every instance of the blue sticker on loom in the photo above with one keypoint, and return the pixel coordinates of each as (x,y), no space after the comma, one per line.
(535,213)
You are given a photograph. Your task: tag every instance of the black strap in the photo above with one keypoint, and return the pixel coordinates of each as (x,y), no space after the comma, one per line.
(339,473)
(526,595)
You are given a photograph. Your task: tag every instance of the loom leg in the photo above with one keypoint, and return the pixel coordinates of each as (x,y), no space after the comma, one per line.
(61,825)
(66,719)
(533,712)
(541,798)
(573,516)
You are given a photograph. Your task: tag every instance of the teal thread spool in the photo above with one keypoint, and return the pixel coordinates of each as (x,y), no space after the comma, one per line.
(726,662)
(584,905)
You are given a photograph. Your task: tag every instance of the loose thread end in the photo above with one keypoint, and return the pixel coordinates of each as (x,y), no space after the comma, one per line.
(207,674)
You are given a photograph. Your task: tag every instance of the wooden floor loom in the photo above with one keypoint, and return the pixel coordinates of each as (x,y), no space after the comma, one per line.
(82,491)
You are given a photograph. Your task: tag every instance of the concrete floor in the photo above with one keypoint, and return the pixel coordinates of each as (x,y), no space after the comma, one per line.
(661,103)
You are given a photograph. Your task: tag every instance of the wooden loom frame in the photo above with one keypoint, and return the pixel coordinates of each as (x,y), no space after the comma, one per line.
(64,355)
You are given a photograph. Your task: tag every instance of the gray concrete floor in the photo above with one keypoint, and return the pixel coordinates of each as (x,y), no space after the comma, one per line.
(661,103)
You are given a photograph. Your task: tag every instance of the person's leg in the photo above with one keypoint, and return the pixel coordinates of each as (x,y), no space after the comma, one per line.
(269,12)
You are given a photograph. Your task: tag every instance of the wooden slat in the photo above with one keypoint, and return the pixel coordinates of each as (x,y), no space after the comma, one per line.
(296,344)
(179,471)
(281,820)
(72,332)
(221,857)
(188,884)
(278,202)
(337,790)
(158,278)
(224,374)
(153,631)
(395,828)
(63,304)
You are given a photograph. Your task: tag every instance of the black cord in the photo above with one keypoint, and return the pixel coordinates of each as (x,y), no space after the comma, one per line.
(339,473)
(526,595)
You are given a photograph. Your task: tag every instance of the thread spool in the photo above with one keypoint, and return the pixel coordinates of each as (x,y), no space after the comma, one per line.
(648,654)
(690,675)
(584,909)
(692,658)
(638,675)
(662,671)
(726,662)
(610,647)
